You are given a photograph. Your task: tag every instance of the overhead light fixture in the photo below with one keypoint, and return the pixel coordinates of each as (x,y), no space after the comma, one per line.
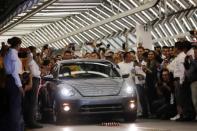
(146,15)
(105,29)
(110,27)
(173,26)
(180,26)
(153,12)
(133,2)
(56,14)
(171,6)
(129,23)
(140,18)
(161,28)
(153,34)
(181,4)
(88,35)
(169,30)
(122,2)
(99,31)
(103,12)
(193,23)
(84,37)
(186,23)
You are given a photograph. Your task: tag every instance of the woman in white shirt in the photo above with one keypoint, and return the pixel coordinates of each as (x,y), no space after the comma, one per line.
(13,68)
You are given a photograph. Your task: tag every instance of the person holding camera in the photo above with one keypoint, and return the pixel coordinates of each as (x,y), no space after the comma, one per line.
(13,68)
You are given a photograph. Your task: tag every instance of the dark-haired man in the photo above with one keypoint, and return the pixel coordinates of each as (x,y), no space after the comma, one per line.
(31,95)
(67,55)
(127,66)
(178,70)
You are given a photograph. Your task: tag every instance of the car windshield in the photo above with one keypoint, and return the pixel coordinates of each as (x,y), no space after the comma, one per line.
(87,70)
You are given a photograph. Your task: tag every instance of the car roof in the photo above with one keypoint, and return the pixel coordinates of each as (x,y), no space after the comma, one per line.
(82,60)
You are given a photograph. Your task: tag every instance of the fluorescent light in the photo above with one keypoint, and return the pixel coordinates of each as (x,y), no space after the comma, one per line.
(154,35)
(88,35)
(146,15)
(133,2)
(171,6)
(134,20)
(116,26)
(181,4)
(99,31)
(140,18)
(158,33)
(179,25)
(166,25)
(193,23)
(165,43)
(86,17)
(103,12)
(122,24)
(174,28)
(127,22)
(163,30)
(70,7)
(160,43)
(186,24)
(153,12)
(79,39)
(110,27)
(93,16)
(122,2)
(82,20)
(105,29)
(94,33)
(76,4)
(56,14)
(192,2)
(84,37)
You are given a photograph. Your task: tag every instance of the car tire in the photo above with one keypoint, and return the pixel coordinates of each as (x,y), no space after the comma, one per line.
(43,114)
(130,117)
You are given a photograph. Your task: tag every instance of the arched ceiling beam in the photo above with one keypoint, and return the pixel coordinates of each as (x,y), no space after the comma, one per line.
(108,20)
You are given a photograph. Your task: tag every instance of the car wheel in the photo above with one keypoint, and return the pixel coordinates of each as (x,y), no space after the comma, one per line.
(130,117)
(42,108)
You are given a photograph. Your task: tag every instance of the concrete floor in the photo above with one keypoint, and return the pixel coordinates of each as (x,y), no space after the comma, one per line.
(139,125)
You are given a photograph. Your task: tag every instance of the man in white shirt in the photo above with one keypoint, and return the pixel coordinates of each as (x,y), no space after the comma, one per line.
(31,95)
(127,66)
(178,70)
(140,82)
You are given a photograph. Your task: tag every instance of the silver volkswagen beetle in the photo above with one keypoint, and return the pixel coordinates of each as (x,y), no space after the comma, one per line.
(91,87)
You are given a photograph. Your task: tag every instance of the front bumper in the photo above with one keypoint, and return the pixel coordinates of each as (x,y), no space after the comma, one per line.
(98,105)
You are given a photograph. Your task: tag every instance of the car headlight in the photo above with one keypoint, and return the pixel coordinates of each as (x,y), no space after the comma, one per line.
(127,90)
(67,92)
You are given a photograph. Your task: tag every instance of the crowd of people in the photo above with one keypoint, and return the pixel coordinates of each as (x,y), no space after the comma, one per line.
(165,78)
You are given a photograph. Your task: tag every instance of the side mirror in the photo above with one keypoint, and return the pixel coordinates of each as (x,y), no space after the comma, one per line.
(125,76)
(48,78)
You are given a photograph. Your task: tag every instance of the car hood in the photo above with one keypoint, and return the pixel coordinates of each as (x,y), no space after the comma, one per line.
(97,87)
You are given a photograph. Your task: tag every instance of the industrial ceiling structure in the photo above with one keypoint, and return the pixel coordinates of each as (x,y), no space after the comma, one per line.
(59,22)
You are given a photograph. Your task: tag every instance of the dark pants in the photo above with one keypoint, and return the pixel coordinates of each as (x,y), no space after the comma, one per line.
(163,109)
(186,99)
(15,118)
(3,108)
(30,104)
(143,99)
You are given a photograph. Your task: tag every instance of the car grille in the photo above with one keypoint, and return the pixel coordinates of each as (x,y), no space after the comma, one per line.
(98,89)
(101,108)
